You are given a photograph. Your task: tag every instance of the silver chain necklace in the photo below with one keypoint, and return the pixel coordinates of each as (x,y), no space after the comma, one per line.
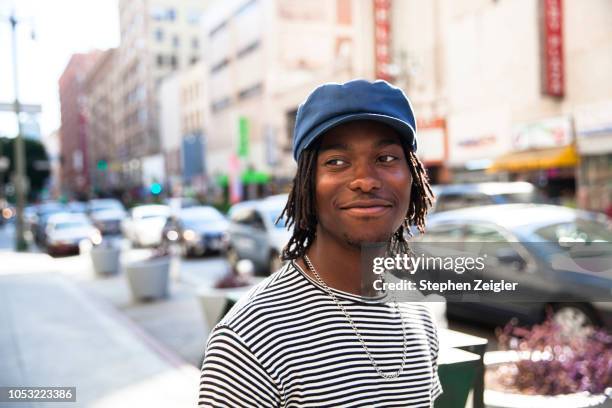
(352,323)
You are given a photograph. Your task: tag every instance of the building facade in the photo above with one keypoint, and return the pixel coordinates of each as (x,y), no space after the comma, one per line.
(519,104)
(263,58)
(74,179)
(102,128)
(184,109)
(157,38)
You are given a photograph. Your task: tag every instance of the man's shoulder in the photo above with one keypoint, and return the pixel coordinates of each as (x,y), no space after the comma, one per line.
(262,301)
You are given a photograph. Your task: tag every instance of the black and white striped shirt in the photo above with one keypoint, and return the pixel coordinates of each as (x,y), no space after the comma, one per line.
(287,344)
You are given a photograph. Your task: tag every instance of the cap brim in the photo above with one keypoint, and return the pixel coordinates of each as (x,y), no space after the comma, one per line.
(403,128)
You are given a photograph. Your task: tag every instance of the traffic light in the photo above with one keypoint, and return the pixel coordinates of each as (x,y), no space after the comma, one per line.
(156,188)
(102,165)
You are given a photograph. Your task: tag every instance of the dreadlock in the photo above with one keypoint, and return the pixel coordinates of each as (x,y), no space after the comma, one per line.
(300,210)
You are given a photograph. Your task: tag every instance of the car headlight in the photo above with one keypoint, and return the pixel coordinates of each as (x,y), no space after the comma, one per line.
(96,238)
(189,235)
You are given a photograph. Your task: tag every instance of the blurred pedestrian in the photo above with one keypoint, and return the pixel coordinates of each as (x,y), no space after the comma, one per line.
(307,335)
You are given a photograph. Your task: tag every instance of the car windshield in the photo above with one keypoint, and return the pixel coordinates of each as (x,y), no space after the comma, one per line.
(273,215)
(567,234)
(194,216)
(71,224)
(106,205)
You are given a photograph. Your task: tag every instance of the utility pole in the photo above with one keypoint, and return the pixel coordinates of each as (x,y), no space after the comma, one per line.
(20,173)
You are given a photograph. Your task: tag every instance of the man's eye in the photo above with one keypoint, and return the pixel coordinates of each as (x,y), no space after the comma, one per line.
(387,158)
(335,162)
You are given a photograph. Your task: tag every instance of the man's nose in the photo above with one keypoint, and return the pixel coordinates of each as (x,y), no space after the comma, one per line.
(365,178)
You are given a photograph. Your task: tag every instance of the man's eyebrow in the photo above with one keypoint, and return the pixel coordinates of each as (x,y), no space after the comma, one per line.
(387,142)
(334,146)
(343,146)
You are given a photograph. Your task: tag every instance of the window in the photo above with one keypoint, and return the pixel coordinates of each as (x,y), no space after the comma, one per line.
(446,202)
(442,233)
(170,14)
(250,91)
(483,233)
(248,49)
(194,16)
(245,7)
(173,61)
(195,43)
(193,60)
(176,41)
(217,29)
(160,60)
(220,104)
(219,66)
(159,35)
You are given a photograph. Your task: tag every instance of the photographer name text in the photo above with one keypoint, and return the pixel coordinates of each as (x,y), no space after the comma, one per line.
(476,285)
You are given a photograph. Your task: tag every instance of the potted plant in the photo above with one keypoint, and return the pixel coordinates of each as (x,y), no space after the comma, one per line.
(547,365)
(149,278)
(215,302)
(105,257)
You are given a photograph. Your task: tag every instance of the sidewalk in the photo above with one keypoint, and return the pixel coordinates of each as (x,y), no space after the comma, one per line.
(54,333)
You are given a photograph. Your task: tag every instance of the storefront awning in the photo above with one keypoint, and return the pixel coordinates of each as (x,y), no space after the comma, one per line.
(540,159)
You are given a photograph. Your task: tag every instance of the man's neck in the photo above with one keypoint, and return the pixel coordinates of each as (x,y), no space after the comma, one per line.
(337,263)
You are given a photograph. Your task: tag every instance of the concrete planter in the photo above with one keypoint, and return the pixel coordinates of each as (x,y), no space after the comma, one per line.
(499,399)
(105,260)
(149,279)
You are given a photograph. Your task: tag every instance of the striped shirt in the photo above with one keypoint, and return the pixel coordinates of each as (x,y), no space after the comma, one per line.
(287,344)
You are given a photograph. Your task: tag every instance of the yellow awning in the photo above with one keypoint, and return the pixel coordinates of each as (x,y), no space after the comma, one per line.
(536,159)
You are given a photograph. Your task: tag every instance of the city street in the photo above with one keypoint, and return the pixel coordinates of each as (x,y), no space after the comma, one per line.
(55,311)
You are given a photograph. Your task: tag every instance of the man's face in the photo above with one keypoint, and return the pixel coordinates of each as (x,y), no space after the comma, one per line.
(362,183)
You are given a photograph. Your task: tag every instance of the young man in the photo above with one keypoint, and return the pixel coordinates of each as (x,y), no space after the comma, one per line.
(306,337)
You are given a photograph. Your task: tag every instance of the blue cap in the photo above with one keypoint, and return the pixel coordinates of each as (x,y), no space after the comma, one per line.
(333,104)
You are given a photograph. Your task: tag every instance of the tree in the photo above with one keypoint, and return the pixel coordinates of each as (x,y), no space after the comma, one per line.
(37,163)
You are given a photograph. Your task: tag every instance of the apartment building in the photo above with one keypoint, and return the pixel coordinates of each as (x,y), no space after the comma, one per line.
(158,37)
(263,59)
(183,112)
(74,177)
(101,108)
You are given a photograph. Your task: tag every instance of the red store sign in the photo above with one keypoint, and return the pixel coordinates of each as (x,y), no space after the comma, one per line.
(382,38)
(552,47)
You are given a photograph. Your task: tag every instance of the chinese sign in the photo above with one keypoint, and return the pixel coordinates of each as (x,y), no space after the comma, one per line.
(552,47)
(382,38)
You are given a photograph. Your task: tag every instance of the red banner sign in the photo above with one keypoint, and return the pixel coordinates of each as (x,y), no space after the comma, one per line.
(382,38)
(552,46)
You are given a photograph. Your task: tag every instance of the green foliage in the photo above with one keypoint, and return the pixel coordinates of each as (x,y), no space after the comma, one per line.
(37,163)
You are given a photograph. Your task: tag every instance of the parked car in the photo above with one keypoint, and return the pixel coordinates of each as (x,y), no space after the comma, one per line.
(145,224)
(77,207)
(254,234)
(107,215)
(181,202)
(39,223)
(198,230)
(456,196)
(535,245)
(65,231)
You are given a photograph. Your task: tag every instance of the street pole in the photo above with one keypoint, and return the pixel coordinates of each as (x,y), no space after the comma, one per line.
(20,242)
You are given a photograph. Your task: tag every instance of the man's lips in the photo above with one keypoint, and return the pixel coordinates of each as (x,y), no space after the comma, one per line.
(367,207)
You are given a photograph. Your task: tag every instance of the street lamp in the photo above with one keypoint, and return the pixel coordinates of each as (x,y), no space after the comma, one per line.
(19,152)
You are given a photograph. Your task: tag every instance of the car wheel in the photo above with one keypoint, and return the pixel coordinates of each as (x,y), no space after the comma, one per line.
(274,263)
(574,317)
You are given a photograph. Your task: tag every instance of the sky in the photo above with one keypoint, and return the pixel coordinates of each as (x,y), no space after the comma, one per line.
(62,28)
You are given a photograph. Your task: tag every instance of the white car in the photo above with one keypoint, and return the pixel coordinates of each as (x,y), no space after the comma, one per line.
(145,224)
(254,234)
(107,215)
(65,231)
